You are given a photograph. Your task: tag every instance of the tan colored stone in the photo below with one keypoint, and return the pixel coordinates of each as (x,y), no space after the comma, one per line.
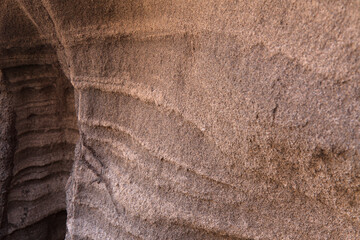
(197,119)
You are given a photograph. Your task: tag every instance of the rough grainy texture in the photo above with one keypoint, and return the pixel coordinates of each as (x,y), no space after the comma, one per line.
(38,131)
(46,132)
(196,119)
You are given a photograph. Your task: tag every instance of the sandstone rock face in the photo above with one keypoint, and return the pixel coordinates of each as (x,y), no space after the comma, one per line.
(38,132)
(191,119)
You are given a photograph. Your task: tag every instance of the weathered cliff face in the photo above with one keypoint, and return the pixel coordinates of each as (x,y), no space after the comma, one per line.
(38,132)
(194,119)
(45,131)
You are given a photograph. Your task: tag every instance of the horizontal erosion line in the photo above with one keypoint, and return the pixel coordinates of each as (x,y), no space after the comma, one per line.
(31,71)
(48,138)
(35,89)
(25,101)
(55,175)
(107,124)
(37,166)
(84,83)
(29,94)
(129,207)
(25,104)
(22,59)
(32,49)
(45,167)
(28,130)
(49,154)
(77,37)
(81,36)
(16,202)
(119,152)
(49,148)
(36,104)
(60,161)
(45,130)
(138,174)
(54,144)
(36,162)
(48,116)
(36,79)
(31,66)
(143,95)
(33,84)
(26,42)
(26,60)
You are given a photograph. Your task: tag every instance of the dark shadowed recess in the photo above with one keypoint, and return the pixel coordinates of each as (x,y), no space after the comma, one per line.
(45,132)
(50,228)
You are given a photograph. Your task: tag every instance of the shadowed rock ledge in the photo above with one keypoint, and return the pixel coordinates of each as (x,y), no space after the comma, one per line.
(180,119)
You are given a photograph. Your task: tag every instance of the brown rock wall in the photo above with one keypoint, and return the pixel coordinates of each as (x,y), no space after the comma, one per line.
(197,119)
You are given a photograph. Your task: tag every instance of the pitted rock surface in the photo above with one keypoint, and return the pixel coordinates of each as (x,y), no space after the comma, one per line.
(180,119)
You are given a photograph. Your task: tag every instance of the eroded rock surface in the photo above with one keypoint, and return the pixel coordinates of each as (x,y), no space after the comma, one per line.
(196,119)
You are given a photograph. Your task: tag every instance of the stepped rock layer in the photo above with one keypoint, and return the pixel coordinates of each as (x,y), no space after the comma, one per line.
(191,119)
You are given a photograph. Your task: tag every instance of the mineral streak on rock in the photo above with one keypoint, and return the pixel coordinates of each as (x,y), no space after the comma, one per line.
(180,119)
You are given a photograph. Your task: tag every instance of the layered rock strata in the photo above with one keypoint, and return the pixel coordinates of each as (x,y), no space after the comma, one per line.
(196,119)
(45,133)
(38,131)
